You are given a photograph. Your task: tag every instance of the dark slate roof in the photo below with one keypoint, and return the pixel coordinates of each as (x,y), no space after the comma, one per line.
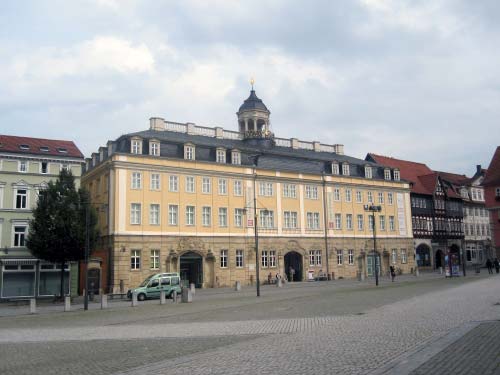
(270,157)
(252,103)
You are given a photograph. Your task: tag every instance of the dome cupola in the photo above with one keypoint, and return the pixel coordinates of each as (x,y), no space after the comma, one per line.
(253,118)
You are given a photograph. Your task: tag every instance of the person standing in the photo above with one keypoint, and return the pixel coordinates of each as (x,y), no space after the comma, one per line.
(393,273)
(496,263)
(489,265)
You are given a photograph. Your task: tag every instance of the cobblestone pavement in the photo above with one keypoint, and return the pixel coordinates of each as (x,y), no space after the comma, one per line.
(271,335)
(477,352)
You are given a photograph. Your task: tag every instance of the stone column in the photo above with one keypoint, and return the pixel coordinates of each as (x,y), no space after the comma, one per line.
(246,125)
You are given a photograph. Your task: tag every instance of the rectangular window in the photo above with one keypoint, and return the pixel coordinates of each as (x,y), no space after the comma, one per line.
(235,157)
(136,146)
(44,167)
(155,181)
(338,221)
(264,258)
(380,197)
(136,180)
(313,220)
(222,186)
(318,258)
(21,198)
(154,260)
(223,259)
(189,152)
(370,197)
(190,184)
(382,222)
(404,259)
(289,191)
(19,235)
(290,220)
(348,221)
(387,174)
(272,258)
(348,195)
(360,222)
(336,194)
(351,257)
(23,166)
(173,214)
(368,172)
(206,216)
(238,188)
(397,176)
(206,187)
(154,214)
(239,258)
(335,168)
(135,213)
(391,223)
(312,258)
(266,189)
(190,212)
(135,259)
(222,217)
(238,217)
(173,183)
(154,148)
(340,257)
(389,198)
(359,196)
(345,169)
(311,192)
(266,219)
(394,256)
(370,222)
(221,156)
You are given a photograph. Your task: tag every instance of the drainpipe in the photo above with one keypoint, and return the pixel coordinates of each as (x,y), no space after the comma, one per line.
(325,225)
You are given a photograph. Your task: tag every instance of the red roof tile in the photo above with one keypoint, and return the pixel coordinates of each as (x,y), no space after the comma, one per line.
(492,176)
(409,170)
(35,146)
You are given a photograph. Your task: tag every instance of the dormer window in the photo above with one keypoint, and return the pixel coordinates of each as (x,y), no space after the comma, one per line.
(235,157)
(136,146)
(335,168)
(221,155)
(368,171)
(154,148)
(24,147)
(497,192)
(387,174)
(189,152)
(62,150)
(44,149)
(397,175)
(346,171)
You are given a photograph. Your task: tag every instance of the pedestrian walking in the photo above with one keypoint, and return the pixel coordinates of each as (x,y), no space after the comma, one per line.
(489,265)
(292,273)
(496,263)
(393,273)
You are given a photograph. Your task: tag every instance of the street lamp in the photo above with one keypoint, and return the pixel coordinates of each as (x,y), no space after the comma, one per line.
(87,252)
(256,232)
(372,208)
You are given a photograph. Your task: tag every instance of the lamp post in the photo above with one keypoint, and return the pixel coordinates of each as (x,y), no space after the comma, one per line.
(256,231)
(372,208)
(87,251)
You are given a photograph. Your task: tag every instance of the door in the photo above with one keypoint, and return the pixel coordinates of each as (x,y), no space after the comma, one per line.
(370,265)
(293,266)
(165,285)
(154,288)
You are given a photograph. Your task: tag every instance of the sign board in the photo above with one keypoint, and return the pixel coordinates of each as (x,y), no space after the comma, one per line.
(249,222)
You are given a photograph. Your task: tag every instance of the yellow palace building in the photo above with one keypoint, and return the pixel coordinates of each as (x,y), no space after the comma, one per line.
(184,198)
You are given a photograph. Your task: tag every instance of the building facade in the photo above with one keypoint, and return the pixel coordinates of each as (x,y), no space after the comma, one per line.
(437,213)
(183,198)
(26,166)
(491,183)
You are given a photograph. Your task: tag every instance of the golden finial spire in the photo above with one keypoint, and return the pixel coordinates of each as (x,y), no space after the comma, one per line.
(252,81)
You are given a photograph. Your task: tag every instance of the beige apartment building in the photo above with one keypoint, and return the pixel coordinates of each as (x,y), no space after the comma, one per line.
(180,198)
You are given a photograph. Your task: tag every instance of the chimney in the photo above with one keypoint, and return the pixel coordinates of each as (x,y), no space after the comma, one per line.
(478,169)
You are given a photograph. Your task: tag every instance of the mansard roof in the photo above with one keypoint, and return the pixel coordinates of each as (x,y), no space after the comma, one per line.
(492,177)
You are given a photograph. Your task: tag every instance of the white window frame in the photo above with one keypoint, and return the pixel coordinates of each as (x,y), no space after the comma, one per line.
(154,148)
(336,195)
(240,258)
(340,257)
(348,221)
(220,155)
(155,181)
(25,195)
(154,214)
(318,258)
(222,186)
(264,259)
(136,181)
(392,226)
(381,221)
(404,257)
(397,175)
(206,185)
(368,172)
(223,217)
(335,168)
(190,184)
(189,152)
(313,220)
(346,169)
(394,256)
(18,237)
(360,221)
(359,196)
(206,216)
(351,257)
(235,157)
(238,217)
(272,258)
(348,195)
(47,170)
(390,198)
(135,259)
(266,189)
(387,174)
(136,146)
(311,192)
(173,214)
(190,215)
(238,188)
(154,259)
(135,213)
(173,183)
(266,219)
(338,221)
(23,166)
(290,219)
(381,197)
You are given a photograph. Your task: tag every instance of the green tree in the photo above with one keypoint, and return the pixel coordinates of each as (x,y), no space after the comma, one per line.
(58,229)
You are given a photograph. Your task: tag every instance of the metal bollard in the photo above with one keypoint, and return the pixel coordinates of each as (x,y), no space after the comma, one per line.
(174,296)
(362,276)
(67,303)
(187,296)
(134,299)
(104,301)
(162,297)
(237,286)
(32,306)
(192,288)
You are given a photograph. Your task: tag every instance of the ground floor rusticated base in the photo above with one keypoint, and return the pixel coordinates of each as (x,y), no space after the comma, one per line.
(211,262)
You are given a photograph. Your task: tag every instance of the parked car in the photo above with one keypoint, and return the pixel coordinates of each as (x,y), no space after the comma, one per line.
(154,284)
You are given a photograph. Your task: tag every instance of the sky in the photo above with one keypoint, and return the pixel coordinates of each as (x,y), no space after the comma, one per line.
(416,80)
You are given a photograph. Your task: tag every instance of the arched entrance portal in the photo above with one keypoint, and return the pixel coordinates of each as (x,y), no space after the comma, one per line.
(293,260)
(439,259)
(423,256)
(191,268)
